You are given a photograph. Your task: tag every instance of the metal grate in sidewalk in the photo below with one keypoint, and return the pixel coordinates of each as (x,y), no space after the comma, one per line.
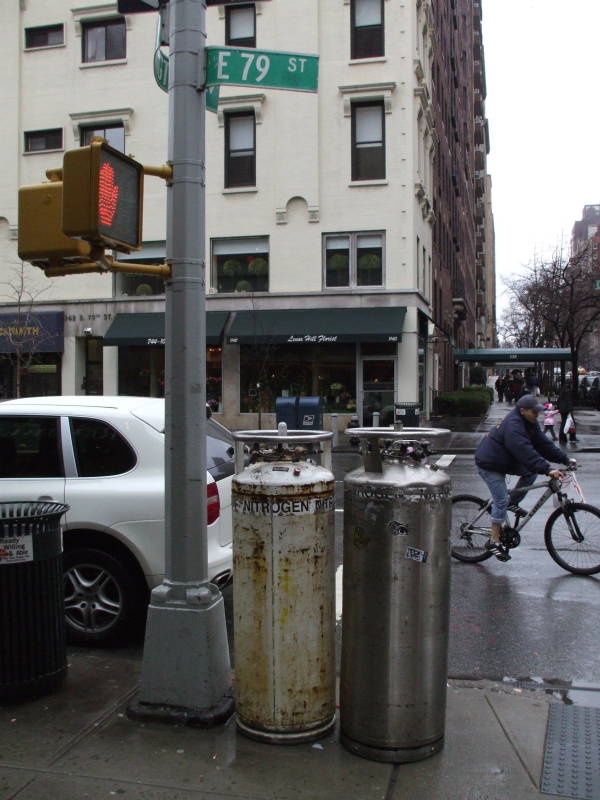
(572,752)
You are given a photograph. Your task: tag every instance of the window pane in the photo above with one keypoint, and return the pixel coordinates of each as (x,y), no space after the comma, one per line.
(367,12)
(44,36)
(268,371)
(116,138)
(30,448)
(242,272)
(241,23)
(368,124)
(100,449)
(43,140)
(240,158)
(369,260)
(232,246)
(115,40)
(241,133)
(337,261)
(94,43)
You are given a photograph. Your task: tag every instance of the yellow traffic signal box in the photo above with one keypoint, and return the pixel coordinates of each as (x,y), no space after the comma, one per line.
(41,239)
(103,196)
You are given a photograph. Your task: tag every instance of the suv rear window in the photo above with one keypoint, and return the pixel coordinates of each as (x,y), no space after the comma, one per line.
(30,447)
(100,449)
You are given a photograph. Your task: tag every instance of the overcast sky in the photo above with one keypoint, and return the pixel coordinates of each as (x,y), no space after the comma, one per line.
(542,62)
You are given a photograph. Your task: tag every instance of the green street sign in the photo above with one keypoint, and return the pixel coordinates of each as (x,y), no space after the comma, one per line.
(161,70)
(597,284)
(212,98)
(274,70)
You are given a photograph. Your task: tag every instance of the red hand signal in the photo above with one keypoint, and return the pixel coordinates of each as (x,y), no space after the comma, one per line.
(108,194)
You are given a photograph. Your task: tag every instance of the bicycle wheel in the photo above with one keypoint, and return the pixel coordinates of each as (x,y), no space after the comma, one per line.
(572,537)
(468,542)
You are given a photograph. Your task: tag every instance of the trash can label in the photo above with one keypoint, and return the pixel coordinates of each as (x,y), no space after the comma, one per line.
(16,548)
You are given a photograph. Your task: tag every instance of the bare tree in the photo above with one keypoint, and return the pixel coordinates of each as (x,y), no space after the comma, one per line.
(25,333)
(556,302)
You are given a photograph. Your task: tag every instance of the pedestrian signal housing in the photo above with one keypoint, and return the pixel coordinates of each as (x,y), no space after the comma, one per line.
(103,196)
(41,238)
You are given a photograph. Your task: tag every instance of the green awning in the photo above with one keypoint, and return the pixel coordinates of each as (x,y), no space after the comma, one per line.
(504,355)
(317,326)
(148,329)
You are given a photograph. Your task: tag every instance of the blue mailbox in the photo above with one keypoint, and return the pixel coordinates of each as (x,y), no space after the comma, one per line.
(310,413)
(286,410)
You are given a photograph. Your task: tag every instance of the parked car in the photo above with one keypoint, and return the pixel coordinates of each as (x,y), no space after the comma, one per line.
(104,457)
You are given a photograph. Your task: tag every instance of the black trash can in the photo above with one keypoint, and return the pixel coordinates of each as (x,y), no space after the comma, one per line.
(408,414)
(33,658)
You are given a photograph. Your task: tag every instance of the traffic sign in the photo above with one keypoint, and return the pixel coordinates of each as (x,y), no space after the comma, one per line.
(274,70)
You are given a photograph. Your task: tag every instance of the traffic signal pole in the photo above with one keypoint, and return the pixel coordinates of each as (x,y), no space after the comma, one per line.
(186,673)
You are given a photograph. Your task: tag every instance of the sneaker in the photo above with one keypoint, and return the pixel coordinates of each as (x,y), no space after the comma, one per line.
(520,512)
(498,550)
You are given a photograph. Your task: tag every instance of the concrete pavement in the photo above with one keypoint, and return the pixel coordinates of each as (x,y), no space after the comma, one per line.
(79,743)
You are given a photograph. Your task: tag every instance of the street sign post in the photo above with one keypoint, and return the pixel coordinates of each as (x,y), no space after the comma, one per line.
(269,68)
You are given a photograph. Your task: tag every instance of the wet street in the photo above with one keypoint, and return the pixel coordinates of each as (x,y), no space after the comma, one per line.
(523,619)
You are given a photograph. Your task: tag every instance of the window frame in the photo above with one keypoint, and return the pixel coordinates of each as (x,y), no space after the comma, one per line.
(227,172)
(88,25)
(355,165)
(353,237)
(263,252)
(47,28)
(248,41)
(356,46)
(93,130)
(26,139)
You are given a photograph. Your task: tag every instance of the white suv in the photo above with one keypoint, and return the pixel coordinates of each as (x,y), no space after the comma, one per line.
(104,457)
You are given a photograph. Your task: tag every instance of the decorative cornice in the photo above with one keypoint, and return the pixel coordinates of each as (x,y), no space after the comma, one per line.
(108,116)
(368,91)
(240,102)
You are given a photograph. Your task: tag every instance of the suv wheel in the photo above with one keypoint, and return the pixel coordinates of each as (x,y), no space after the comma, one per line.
(103,601)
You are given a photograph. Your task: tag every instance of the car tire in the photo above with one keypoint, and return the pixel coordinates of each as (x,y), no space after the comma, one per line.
(104,601)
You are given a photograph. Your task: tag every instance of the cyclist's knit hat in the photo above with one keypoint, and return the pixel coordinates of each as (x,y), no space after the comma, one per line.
(529,401)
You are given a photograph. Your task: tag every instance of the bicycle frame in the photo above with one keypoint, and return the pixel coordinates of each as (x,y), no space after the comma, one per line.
(552,487)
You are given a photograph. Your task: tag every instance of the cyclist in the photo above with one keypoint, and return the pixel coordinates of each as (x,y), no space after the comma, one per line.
(516,446)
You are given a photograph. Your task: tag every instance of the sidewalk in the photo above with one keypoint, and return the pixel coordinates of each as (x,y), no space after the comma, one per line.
(79,743)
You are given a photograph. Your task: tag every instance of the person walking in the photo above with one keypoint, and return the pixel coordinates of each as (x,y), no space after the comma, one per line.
(500,383)
(550,414)
(566,406)
(516,446)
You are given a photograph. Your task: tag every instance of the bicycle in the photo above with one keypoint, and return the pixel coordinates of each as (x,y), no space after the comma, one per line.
(571,535)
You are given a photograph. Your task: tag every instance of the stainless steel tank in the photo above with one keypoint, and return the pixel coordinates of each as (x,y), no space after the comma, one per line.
(396,587)
(284,587)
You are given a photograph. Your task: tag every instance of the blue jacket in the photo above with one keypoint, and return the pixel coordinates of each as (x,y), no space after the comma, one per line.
(518,447)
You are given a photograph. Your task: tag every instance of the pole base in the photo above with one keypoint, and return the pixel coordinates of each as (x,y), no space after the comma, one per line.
(282,737)
(392,755)
(176,715)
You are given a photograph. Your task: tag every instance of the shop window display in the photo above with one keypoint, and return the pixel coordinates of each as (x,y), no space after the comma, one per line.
(269,371)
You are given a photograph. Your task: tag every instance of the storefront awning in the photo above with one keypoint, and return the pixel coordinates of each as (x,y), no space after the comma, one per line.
(317,326)
(148,329)
(503,355)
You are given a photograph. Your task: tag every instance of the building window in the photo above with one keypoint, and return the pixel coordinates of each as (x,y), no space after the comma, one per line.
(44,36)
(270,370)
(241,265)
(368,141)
(37,141)
(353,259)
(240,149)
(103,40)
(114,135)
(367,40)
(240,26)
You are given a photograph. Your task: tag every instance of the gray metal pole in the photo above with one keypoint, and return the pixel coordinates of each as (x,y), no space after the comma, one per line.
(186,669)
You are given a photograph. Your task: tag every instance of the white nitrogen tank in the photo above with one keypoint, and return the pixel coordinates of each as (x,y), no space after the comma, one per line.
(284,586)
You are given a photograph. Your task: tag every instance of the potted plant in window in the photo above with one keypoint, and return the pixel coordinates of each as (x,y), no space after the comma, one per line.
(369,263)
(243,286)
(259,268)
